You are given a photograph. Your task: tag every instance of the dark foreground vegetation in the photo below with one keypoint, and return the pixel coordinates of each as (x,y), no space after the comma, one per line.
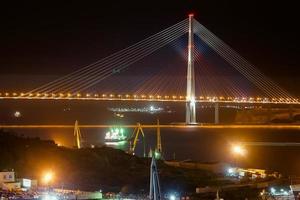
(93,169)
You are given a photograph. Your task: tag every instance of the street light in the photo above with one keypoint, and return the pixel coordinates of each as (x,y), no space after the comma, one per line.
(172,197)
(48,177)
(238,150)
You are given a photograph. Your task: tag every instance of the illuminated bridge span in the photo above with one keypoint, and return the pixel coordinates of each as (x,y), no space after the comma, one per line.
(153,98)
(205,70)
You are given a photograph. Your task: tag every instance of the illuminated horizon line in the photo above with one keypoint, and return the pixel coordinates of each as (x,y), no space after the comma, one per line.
(202,126)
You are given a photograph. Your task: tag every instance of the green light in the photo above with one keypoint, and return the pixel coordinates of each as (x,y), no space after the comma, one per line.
(121,143)
(157,155)
(116,134)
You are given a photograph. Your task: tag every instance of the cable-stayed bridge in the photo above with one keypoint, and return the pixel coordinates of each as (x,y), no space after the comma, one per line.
(168,67)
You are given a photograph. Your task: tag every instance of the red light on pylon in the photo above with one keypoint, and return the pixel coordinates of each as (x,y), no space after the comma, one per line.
(191,14)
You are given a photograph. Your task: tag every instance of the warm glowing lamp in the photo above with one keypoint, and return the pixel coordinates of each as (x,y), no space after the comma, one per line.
(48,177)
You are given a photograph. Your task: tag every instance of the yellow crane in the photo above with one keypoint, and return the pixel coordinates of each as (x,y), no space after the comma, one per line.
(136,132)
(77,135)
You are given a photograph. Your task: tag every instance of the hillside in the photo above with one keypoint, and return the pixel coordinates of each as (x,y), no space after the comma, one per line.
(92,169)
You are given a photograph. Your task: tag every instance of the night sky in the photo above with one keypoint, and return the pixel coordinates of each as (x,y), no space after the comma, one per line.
(47,40)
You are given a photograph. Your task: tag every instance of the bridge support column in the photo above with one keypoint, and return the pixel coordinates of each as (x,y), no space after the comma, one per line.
(190,92)
(217,119)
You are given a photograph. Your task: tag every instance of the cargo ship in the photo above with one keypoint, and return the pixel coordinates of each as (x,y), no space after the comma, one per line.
(115,136)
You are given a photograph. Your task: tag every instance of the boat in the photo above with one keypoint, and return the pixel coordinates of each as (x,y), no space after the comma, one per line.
(115,136)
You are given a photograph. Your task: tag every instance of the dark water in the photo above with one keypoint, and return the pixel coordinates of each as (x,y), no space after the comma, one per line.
(205,145)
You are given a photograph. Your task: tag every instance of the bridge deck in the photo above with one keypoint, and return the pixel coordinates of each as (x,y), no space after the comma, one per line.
(158,98)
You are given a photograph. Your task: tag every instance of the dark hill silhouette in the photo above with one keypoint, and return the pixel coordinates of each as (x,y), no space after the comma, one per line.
(92,169)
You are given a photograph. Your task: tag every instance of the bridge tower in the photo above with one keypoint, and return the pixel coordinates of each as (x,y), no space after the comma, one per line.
(190,90)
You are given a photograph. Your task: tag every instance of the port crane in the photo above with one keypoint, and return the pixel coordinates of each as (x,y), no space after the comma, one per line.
(77,135)
(138,130)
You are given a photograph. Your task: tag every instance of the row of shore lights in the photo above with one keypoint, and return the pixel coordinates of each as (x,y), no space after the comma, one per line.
(78,95)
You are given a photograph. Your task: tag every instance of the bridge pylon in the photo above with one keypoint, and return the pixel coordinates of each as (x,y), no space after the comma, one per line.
(190,90)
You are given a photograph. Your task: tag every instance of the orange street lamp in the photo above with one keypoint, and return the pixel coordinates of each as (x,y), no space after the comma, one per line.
(238,150)
(47,177)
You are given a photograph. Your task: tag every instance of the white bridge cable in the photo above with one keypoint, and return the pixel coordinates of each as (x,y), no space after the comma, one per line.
(202,83)
(238,62)
(234,63)
(201,66)
(213,86)
(143,83)
(260,83)
(116,57)
(96,79)
(164,82)
(173,85)
(98,76)
(211,43)
(243,72)
(233,89)
(177,83)
(111,57)
(229,87)
(160,84)
(117,84)
(126,61)
(111,65)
